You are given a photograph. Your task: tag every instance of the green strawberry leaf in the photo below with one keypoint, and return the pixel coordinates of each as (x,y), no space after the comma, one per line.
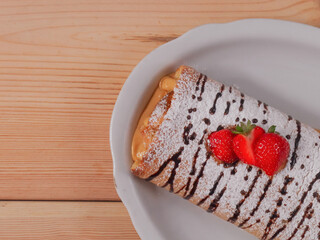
(272,129)
(239,129)
(244,128)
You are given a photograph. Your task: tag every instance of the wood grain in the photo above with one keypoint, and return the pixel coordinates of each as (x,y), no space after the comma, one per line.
(62,65)
(64,221)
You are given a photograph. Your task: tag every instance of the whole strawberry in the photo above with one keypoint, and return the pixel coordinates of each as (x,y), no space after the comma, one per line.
(271,152)
(243,142)
(220,143)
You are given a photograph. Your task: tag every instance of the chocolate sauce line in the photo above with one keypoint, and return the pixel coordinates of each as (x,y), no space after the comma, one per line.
(277,233)
(187,186)
(259,103)
(193,169)
(180,189)
(304,195)
(297,209)
(212,190)
(316,196)
(202,87)
(172,174)
(218,95)
(262,196)
(226,111)
(272,220)
(296,145)
(202,138)
(215,202)
(287,181)
(240,203)
(200,175)
(241,102)
(301,221)
(249,226)
(230,89)
(186,133)
(198,81)
(306,229)
(174,158)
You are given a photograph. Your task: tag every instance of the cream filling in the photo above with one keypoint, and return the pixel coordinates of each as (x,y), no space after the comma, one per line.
(142,137)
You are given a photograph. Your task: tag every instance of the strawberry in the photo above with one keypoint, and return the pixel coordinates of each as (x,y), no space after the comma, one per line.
(244,141)
(220,143)
(271,152)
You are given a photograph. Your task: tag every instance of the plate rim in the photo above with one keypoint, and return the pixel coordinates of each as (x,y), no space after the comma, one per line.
(276,29)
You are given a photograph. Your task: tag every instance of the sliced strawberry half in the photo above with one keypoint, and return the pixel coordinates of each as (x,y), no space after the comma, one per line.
(243,142)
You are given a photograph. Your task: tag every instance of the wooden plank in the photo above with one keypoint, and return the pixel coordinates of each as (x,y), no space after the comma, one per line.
(62,65)
(65,220)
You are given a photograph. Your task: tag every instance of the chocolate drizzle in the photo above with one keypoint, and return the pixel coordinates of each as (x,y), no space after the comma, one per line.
(175,158)
(202,138)
(316,196)
(262,196)
(296,145)
(218,95)
(241,102)
(272,220)
(297,209)
(259,103)
(213,109)
(279,202)
(219,128)
(240,203)
(287,181)
(193,136)
(207,121)
(187,186)
(229,165)
(277,232)
(304,195)
(193,169)
(215,202)
(202,87)
(198,81)
(196,181)
(306,212)
(180,189)
(306,229)
(190,110)
(212,190)
(226,112)
(186,133)
(230,89)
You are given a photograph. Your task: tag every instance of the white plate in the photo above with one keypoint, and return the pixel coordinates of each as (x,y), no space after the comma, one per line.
(275,61)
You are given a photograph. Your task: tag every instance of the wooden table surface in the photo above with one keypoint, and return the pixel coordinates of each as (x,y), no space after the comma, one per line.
(62,65)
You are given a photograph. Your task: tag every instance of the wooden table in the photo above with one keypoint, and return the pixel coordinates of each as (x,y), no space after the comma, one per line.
(62,65)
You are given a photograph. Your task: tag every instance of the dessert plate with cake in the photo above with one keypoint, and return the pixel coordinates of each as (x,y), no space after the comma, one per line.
(213,134)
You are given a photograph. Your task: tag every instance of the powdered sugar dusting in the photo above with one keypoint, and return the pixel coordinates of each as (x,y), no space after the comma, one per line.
(236,193)
(159,111)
